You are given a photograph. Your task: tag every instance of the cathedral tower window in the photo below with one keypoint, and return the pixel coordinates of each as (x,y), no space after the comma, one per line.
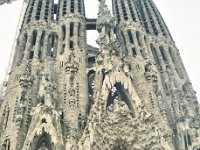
(79,7)
(131,10)
(134,52)
(46,11)
(34,37)
(41,45)
(52,45)
(31,54)
(117,10)
(71,44)
(71,29)
(143,17)
(64,7)
(63,32)
(130,36)
(30,11)
(72,6)
(124,10)
(39,8)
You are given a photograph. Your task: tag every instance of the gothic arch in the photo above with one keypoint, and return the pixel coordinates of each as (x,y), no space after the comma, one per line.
(118,91)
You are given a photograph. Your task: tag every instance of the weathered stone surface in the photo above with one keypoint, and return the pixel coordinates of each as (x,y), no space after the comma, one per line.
(132,93)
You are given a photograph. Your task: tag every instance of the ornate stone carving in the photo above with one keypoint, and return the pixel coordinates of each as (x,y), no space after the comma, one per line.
(71,66)
(150,72)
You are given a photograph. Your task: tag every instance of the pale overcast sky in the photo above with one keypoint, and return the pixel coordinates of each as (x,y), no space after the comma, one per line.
(181,16)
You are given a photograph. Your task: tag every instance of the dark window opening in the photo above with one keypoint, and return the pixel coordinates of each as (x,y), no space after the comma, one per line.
(63,32)
(71,29)
(130,37)
(124,10)
(189,139)
(39,8)
(185,141)
(31,54)
(118,91)
(91,82)
(34,37)
(71,45)
(91,61)
(117,11)
(46,11)
(134,52)
(64,7)
(131,10)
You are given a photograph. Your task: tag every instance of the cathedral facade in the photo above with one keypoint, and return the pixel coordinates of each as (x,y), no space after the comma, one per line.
(131,93)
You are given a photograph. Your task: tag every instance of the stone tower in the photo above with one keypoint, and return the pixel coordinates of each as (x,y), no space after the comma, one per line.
(131,93)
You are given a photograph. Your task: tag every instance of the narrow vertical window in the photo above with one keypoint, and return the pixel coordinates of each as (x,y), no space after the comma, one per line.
(130,37)
(34,38)
(71,29)
(134,52)
(71,45)
(63,32)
